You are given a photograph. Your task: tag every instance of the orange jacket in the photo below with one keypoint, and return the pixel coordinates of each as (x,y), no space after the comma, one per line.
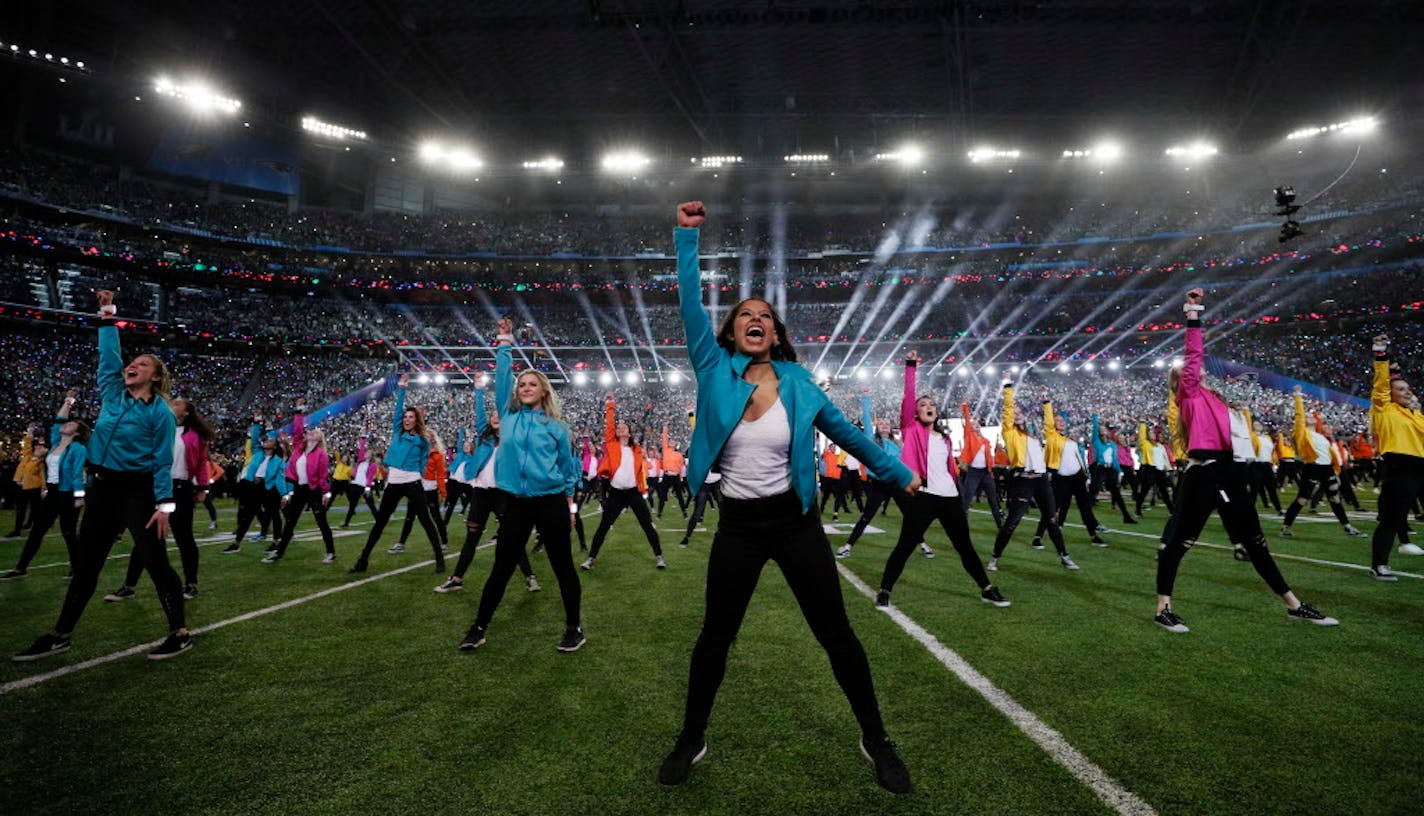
(833,463)
(973,442)
(613,450)
(436,471)
(673,460)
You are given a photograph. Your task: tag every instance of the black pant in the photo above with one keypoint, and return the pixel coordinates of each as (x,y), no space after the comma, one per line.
(1263,485)
(180,526)
(522,515)
(613,506)
(416,505)
(304,496)
(1021,490)
(1288,471)
(1403,481)
(1107,477)
(115,502)
(455,492)
(977,480)
(25,501)
(1316,482)
(711,493)
(57,504)
(1073,487)
(1214,484)
(483,502)
(831,488)
(209,506)
(920,512)
(1151,481)
(432,504)
(749,533)
(877,495)
(851,487)
(354,494)
(249,506)
(265,504)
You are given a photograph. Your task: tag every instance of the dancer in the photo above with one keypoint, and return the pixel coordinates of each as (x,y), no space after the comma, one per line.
(1262,471)
(406,457)
(252,486)
(1317,474)
(63,494)
(623,464)
(30,479)
(1106,468)
(1030,469)
(308,479)
(433,481)
(1210,484)
(132,489)
(457,486)
(1068,474)
(758,411)
(978,460)
(710,493)
(362,477)
(929,454)
(190,487)
(1154,466)
(879,492)
(1398,427)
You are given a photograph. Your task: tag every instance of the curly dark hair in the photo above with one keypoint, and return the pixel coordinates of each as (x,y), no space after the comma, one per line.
(782,351)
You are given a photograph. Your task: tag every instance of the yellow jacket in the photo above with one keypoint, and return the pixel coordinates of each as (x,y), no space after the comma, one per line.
(1284,449)
(30,473)
(1251,429)
(1053,451)
(1303,446)
(1015,440)
(342,471)
(1178,445)
(1397,429)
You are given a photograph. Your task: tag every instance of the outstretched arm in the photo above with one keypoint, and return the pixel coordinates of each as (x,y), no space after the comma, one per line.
(701,342)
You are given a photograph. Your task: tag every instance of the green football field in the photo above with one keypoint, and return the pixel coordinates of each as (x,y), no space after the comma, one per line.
(342,695)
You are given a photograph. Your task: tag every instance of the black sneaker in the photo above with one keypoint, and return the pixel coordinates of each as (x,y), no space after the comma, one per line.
(1098,541)
(1036,543)
(1240,554)
(992,595)
(359,566)
(890,772)
(190,591)
(44,646)
(474,639)
(123,593)
(678,764)
(451,584)
(231,548)
(10,575)
(573,639)
(1167,619)
(1308,613)
(882,598)
(172,646)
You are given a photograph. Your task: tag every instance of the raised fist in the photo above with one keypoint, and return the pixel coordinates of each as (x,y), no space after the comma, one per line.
(403,380)
(1295,390)
(608,397)
(913,357)
(505,325)
(71,394)
(106,297)
(1381,342)
(691,214)
(1194,297)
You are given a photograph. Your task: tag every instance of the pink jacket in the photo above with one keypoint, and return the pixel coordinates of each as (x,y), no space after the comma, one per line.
(318,464)
(915,437)
(1203,413)
(195,453)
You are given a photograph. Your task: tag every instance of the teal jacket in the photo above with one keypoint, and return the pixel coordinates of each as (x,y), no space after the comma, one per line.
(867,423)
(537,457)
(130,435)
(407,451)
(254,436)
(722,396)
(484,446)
(71,462)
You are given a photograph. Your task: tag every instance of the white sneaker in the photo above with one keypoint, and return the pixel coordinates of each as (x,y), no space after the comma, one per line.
(330,558)
(843,552)
(587,565)
(1379,573)
(925,549)
(660,563)
(397,548)
(532,583)
(1410,549)
(1353,531)
(1067,562)
(212,525)
(993,565)
(1286,532)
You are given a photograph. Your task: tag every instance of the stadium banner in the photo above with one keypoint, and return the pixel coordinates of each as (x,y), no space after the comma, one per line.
(375,392)
(1225,368)
(235,159)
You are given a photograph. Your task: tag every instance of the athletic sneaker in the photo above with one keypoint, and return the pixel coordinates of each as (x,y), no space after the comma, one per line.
(1286,532)
(532,584)
(123,593)
(890,772)
(10,575)
(1404,549)
(882,598)
(683,543)
(1098,541)
(451,584)
(190,591)
(1306,612)
(212,525)
(1167,619)
(44,646)
(992,595)
(843,552)
(260,537)
(573,639)
(1240,554)
(677,766)
(329,558)
(1067,563)
(660,563)
(231,548)
(1353,531)
(271,558)
(993,565)
(359,566)
(1383,573)
(587,565)
(834,517)
(926,551)
(1036,543)
(1101,530)
(172,646)
(474,639)
(397,548)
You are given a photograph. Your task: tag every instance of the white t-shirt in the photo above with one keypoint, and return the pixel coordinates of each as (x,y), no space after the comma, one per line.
(261,474)
(1267,448)
(52,466)
(1033,456)
(180,457)
(362,476)
(851,463)
(1321,445)
(1070,464)
(626,476)
(756,460)
(1241,448)
(980,460)
(396,476)
(938,480)
(485,478)
(302,469)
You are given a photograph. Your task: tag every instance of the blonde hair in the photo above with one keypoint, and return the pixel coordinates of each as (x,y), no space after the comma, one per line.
(550,402)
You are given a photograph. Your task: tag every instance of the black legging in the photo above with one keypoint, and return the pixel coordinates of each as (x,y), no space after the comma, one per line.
(877,495)
(455,491)
(304,496)
(1151,481)
(354,494)
(417,506)
(1107,477)
(432,503)
(1209,483)
(1021,490)
(1317,481)
(25,501)
(180,526)
(1263,485)
(613,506)
(483,502)
(115,502)
(711,493)
(252,503)
(749,533)
(852,488)
(831,488)
(981,480)
(522,515)
(57,504)
(1401,485)
(1073,487)
(921,511)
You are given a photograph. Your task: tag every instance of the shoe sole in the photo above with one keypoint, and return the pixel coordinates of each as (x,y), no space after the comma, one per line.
(701,755)
(116,598)
(1389,578)
(470,647)
(1326,622)
(573,648)
(1179,629)
(442,589)
(41,656)
(187,648)
(999,604)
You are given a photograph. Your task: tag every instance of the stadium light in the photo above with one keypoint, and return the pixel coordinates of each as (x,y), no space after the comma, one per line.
(1177,362)
(482,381)
(886,373)
(1195,150)
(198,96)
(460,159)
(807,158)
(580,378)
(606,378)
(317,127)
(1156,363)
(984,154)
(548,164)
(861,373)
(1364,124)
(962,371)
(908,155)
(18,51)
(675,377)
(1114,365)
(627,161)
(423,379)
(441,379)
(1063,368)
(1088,366)
(715,162)
(991,369)
(1100,153)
